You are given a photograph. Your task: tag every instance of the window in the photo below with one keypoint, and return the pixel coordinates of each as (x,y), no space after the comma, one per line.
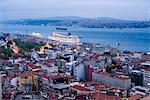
(26,77)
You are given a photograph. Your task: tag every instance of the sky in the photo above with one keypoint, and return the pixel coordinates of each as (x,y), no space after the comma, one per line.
(122,9)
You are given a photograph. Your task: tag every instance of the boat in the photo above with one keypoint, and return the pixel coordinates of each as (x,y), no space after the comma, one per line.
(36,34)
(64,37)
(60,28)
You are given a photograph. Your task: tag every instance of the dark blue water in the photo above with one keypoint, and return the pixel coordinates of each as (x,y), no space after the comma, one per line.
(129,39)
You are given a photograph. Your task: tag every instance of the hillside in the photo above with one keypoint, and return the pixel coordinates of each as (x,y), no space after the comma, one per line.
(72,21)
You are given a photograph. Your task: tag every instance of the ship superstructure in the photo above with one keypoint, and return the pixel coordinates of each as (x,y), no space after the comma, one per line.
(64,37)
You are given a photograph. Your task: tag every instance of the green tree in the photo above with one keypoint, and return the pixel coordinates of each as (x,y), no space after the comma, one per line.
(108,69)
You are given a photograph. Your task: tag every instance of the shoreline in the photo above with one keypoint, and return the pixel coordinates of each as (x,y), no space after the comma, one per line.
(81,42)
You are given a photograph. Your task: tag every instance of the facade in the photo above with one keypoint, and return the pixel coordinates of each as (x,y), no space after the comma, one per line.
(79,72)
(50,69)
(140,90)
(89,71)
(137,78)
(146,57)
(146,74)
(81,90)
(60,83)
(118,81)
(28,81)
(51,53)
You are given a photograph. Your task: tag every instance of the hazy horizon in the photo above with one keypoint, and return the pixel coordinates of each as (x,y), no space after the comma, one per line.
(33,9)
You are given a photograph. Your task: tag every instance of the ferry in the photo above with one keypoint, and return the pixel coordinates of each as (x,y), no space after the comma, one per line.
(64,37)
(60,28)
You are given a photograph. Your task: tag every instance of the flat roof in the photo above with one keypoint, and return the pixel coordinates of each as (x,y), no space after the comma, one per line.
(147,63)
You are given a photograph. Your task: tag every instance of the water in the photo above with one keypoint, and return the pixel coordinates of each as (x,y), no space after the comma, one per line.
(129,39)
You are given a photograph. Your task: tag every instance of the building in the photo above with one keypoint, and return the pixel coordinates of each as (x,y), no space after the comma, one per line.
(59,83)
(137,77)
(49,68)
(77,70)
(81,90)
(53,53)
(99,96)
(107,78)
(146,72)
(27,81)
(88,73)
(146,57)
(140,90)
(32,67)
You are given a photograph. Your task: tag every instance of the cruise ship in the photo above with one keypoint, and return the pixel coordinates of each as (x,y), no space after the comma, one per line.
(64,37)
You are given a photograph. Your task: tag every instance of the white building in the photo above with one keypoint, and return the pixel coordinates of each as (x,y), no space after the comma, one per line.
(2,43)
(50,69)
(146,73)
(51,53)
(140,90)
(78,70)
(34,54)
(138,55)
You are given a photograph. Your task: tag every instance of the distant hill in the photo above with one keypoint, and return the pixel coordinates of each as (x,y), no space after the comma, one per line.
(73,21)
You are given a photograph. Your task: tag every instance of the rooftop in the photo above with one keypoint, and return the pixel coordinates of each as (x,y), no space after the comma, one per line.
(56,76)
(30,73)
(81,88)
(135,97)
(122,77)
(32,66)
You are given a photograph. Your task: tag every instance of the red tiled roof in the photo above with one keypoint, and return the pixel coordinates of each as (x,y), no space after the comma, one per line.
(148,70)
(135,97)
(45,76)
(81,88)
(81,97)
(53,98)
(10,77)
(103,73)
(28,74)
(122,77)
(99,96)
(32,66)
(22,62)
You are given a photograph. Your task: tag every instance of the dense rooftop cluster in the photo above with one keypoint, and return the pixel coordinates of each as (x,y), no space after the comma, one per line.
(73,72)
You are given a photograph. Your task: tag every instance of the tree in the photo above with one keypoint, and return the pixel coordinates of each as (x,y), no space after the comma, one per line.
(6,51)
(108,69)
